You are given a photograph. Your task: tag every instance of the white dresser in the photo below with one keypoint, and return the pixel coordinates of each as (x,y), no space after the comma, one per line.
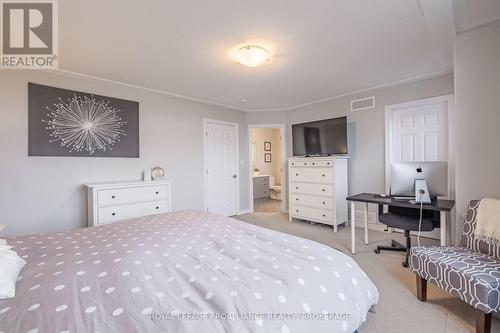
(111,202)
(317,189)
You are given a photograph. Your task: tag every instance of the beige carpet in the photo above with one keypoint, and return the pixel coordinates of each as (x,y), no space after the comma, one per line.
(398,309)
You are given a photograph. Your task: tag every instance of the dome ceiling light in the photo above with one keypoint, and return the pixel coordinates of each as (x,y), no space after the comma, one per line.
(252,55)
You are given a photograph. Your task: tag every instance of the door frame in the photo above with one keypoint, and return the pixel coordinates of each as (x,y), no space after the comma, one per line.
(281,127)
(450,100)
(205,171)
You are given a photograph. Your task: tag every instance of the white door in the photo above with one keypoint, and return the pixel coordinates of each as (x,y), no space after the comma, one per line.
(418,132)
(221,167)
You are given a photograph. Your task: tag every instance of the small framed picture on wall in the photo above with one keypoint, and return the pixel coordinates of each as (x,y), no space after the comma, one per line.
(267,158)
(267,146)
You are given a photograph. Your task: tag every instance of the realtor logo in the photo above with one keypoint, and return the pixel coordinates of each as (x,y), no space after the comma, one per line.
(28,34)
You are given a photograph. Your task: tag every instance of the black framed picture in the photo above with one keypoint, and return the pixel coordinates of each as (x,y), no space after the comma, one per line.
(72,123)
(267,146)
(267,158)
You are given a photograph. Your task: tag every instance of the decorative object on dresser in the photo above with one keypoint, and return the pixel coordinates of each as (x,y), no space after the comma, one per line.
(317,189)
(147,175)
(72,123)
(112,202)
(260,187)
(157,173)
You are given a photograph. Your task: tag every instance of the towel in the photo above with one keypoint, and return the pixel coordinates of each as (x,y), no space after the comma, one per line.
(488,221)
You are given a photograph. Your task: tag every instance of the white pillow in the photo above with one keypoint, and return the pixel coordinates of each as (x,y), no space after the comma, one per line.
(10,266)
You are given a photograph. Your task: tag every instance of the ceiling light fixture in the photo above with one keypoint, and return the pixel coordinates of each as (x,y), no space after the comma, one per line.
(252,55)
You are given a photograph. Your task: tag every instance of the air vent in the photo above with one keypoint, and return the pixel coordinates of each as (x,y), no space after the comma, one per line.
(362,104)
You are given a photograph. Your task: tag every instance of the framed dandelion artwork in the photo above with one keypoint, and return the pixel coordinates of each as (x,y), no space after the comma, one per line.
(72,123)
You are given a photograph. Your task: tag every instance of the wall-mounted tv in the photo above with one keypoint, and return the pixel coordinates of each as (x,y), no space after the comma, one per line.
(323,137)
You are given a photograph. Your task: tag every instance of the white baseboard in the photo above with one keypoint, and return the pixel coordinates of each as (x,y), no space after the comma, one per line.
(245,211)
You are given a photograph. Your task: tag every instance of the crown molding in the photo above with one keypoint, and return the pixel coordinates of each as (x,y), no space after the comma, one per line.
(206,102)
(135,86)
(385,85)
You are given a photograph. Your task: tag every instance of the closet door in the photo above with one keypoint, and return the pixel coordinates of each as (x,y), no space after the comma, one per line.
(221,167)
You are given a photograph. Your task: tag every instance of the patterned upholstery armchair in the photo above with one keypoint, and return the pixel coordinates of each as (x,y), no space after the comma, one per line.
(470,271)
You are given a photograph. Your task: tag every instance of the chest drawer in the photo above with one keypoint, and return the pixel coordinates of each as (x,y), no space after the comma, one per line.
(116,213)
(315,163)
(260,181)
(312,201)
(260,193)
(295,164)
(121,196)
(307,213)
(314,189)
(313,175)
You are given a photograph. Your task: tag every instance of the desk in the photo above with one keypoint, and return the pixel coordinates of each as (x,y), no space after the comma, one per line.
(440,205)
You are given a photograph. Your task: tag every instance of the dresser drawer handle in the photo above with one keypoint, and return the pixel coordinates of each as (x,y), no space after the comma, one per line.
(297,210)
(113,214)
(324,215)
(157,207)
(296,199)
(293,163)
(112,197)
(314,164)
(324,203)
(296,187)
(328,163)
(296,174)
(157,192)
(323,190)
(323,175)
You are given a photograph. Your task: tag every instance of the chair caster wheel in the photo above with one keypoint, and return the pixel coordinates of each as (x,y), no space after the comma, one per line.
(405,264)
(377,251)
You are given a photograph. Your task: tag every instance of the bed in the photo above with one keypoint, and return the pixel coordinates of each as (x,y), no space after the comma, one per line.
(186,271)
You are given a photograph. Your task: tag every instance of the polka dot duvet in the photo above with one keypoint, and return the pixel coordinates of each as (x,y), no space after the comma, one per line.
(187,271)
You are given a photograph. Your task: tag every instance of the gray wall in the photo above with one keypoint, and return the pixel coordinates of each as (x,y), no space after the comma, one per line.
(43,194)
(366,131)
(477,84)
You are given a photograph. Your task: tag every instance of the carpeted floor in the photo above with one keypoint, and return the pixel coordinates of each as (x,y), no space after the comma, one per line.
(398,310)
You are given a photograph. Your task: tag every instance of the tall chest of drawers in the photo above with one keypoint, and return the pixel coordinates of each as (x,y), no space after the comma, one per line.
(318,189)
(112,202)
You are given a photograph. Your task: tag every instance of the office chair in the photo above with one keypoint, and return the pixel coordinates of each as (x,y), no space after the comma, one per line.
(406,219)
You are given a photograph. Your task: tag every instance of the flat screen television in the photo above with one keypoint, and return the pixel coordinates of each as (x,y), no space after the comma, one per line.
(323,137)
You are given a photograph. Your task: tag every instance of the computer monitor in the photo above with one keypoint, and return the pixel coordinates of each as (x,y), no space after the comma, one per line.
(405,175)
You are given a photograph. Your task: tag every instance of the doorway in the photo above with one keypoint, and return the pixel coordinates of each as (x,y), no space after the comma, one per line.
(221,167)
(267,190)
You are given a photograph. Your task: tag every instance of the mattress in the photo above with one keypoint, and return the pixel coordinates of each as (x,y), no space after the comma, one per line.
(187,271)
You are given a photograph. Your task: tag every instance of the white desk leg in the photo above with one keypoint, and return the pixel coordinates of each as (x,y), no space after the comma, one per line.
(353,228)
(366,223)
(443,228)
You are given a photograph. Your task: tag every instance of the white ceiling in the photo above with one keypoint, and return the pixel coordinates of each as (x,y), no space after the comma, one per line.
(321,48)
